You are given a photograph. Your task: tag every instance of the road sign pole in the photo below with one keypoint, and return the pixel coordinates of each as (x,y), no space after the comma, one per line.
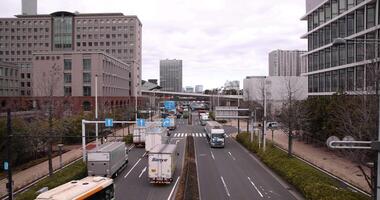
(9,155)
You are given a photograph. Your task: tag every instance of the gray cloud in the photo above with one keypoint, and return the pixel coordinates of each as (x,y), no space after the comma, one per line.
(217,40)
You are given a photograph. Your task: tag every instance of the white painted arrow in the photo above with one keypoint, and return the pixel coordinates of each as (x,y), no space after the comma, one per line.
(142,172)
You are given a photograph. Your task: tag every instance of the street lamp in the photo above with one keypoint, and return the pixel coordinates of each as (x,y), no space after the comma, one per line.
(96,110)
(373,145)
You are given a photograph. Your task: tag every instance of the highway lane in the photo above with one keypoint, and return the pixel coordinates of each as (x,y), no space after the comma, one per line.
(133,183)
(232,173)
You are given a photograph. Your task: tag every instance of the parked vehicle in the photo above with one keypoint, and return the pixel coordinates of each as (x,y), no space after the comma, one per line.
(155,136)
(215,134)
(139,136)
(87,188)
(107,160)
(162,160)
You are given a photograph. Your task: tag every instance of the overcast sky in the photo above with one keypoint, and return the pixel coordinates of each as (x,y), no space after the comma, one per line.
(217,40)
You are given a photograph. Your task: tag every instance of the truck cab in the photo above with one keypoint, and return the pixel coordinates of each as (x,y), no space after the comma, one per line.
(215,134)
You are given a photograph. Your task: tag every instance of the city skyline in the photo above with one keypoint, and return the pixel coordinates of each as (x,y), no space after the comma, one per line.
(205,44)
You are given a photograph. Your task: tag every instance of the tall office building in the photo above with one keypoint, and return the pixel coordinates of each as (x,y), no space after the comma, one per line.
(346,67)
(29,7)
(285,63)
(115,34)
(171,75)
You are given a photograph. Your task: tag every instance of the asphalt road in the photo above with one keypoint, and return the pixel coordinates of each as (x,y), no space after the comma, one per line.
(223,173)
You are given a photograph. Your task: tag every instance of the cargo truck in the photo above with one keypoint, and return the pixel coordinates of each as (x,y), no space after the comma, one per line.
(139,135)
(172,125)
(162,160)
(215,134)
(203,118)
(107,160)
(155,136)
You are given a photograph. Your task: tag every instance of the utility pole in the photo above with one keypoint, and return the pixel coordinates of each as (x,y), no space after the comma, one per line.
(96,111)
(265,113)
(50,144)
(9,155)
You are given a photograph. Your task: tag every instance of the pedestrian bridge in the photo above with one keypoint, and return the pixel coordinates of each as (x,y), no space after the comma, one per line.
(185,94)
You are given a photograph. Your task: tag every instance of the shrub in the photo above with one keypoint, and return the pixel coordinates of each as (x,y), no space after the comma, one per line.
(312,183)
(75,171)
(128,139)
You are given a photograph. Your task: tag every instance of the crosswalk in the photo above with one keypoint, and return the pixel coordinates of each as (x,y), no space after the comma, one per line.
(180,135)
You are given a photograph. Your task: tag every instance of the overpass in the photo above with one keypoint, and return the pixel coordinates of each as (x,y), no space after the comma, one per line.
(184,94)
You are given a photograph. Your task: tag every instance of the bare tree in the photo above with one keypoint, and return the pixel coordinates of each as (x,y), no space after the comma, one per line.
(47,87)
(292,114)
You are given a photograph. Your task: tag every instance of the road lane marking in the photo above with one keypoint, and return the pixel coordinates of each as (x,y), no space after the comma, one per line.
(226,136)
(142,171)
(203,135)
(185,134)
(212,155)
(233,158)
(132,168)
(225,186)
(132,146)
(171,192)
(181,135)
(255,187)
(197,134)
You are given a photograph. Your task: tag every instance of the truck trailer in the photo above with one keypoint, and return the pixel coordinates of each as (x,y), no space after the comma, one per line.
(155,136)
(107,160)
(162,160)
(139,135)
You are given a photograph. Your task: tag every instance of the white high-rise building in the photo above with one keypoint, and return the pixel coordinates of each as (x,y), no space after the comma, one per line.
(199,88)
(286,63)
(171,75)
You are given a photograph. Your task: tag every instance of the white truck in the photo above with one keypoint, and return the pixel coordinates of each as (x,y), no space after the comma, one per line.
(139,135)
(203,118)
(155,136)
(172,125)
(107,160)
(162,160)
(215,134)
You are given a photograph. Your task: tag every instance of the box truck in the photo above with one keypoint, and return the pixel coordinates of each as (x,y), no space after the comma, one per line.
(155,136)
(172,125)
(162,160)
(139,135)
(215,134)
(107,159)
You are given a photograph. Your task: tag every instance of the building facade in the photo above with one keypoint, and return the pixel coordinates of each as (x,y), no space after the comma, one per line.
(10,80)
(342,67)
(171,75)
(29,7)
(73,74)
(199,88)
(232,85)
(276,87)
(112,33)
(189,89)
(286,63)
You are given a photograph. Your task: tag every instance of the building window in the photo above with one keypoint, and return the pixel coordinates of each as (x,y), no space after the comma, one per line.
(371,16)
(321,59)
(334,56)
(334,81)
(86,77)
(327,34)
(328,11)
(334,8)
(370,46)
(327,58)
(310,83)
(86,106)
(350,24)
(342,54)
(67,64)
(342,6)
(321,15)
(350,79)
(342,27)
(334,30)
(86,90)
(359,50)
(67,77)
(327,82)
(67,91)
(359,78)
(315,82)
(322,82)
(350,4)
(359,20)
(350,53)
(342,80)
(86,64)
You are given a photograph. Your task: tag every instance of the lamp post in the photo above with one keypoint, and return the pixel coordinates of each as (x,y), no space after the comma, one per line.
(374,145)
(136,101)
(96,110)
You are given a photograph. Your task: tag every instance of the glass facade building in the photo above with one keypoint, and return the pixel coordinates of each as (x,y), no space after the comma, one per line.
(345,67)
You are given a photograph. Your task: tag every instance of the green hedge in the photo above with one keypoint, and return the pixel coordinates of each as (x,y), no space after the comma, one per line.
(128,139)
(312,183)
(75,171)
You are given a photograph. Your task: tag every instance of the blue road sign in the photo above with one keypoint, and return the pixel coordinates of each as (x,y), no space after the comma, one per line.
(6,165)
(140,122)
(169,105)
(109,122)
(166,122)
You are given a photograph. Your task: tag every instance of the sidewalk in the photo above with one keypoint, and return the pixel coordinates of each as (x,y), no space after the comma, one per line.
(325,159)
(321,157)
(27,176)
